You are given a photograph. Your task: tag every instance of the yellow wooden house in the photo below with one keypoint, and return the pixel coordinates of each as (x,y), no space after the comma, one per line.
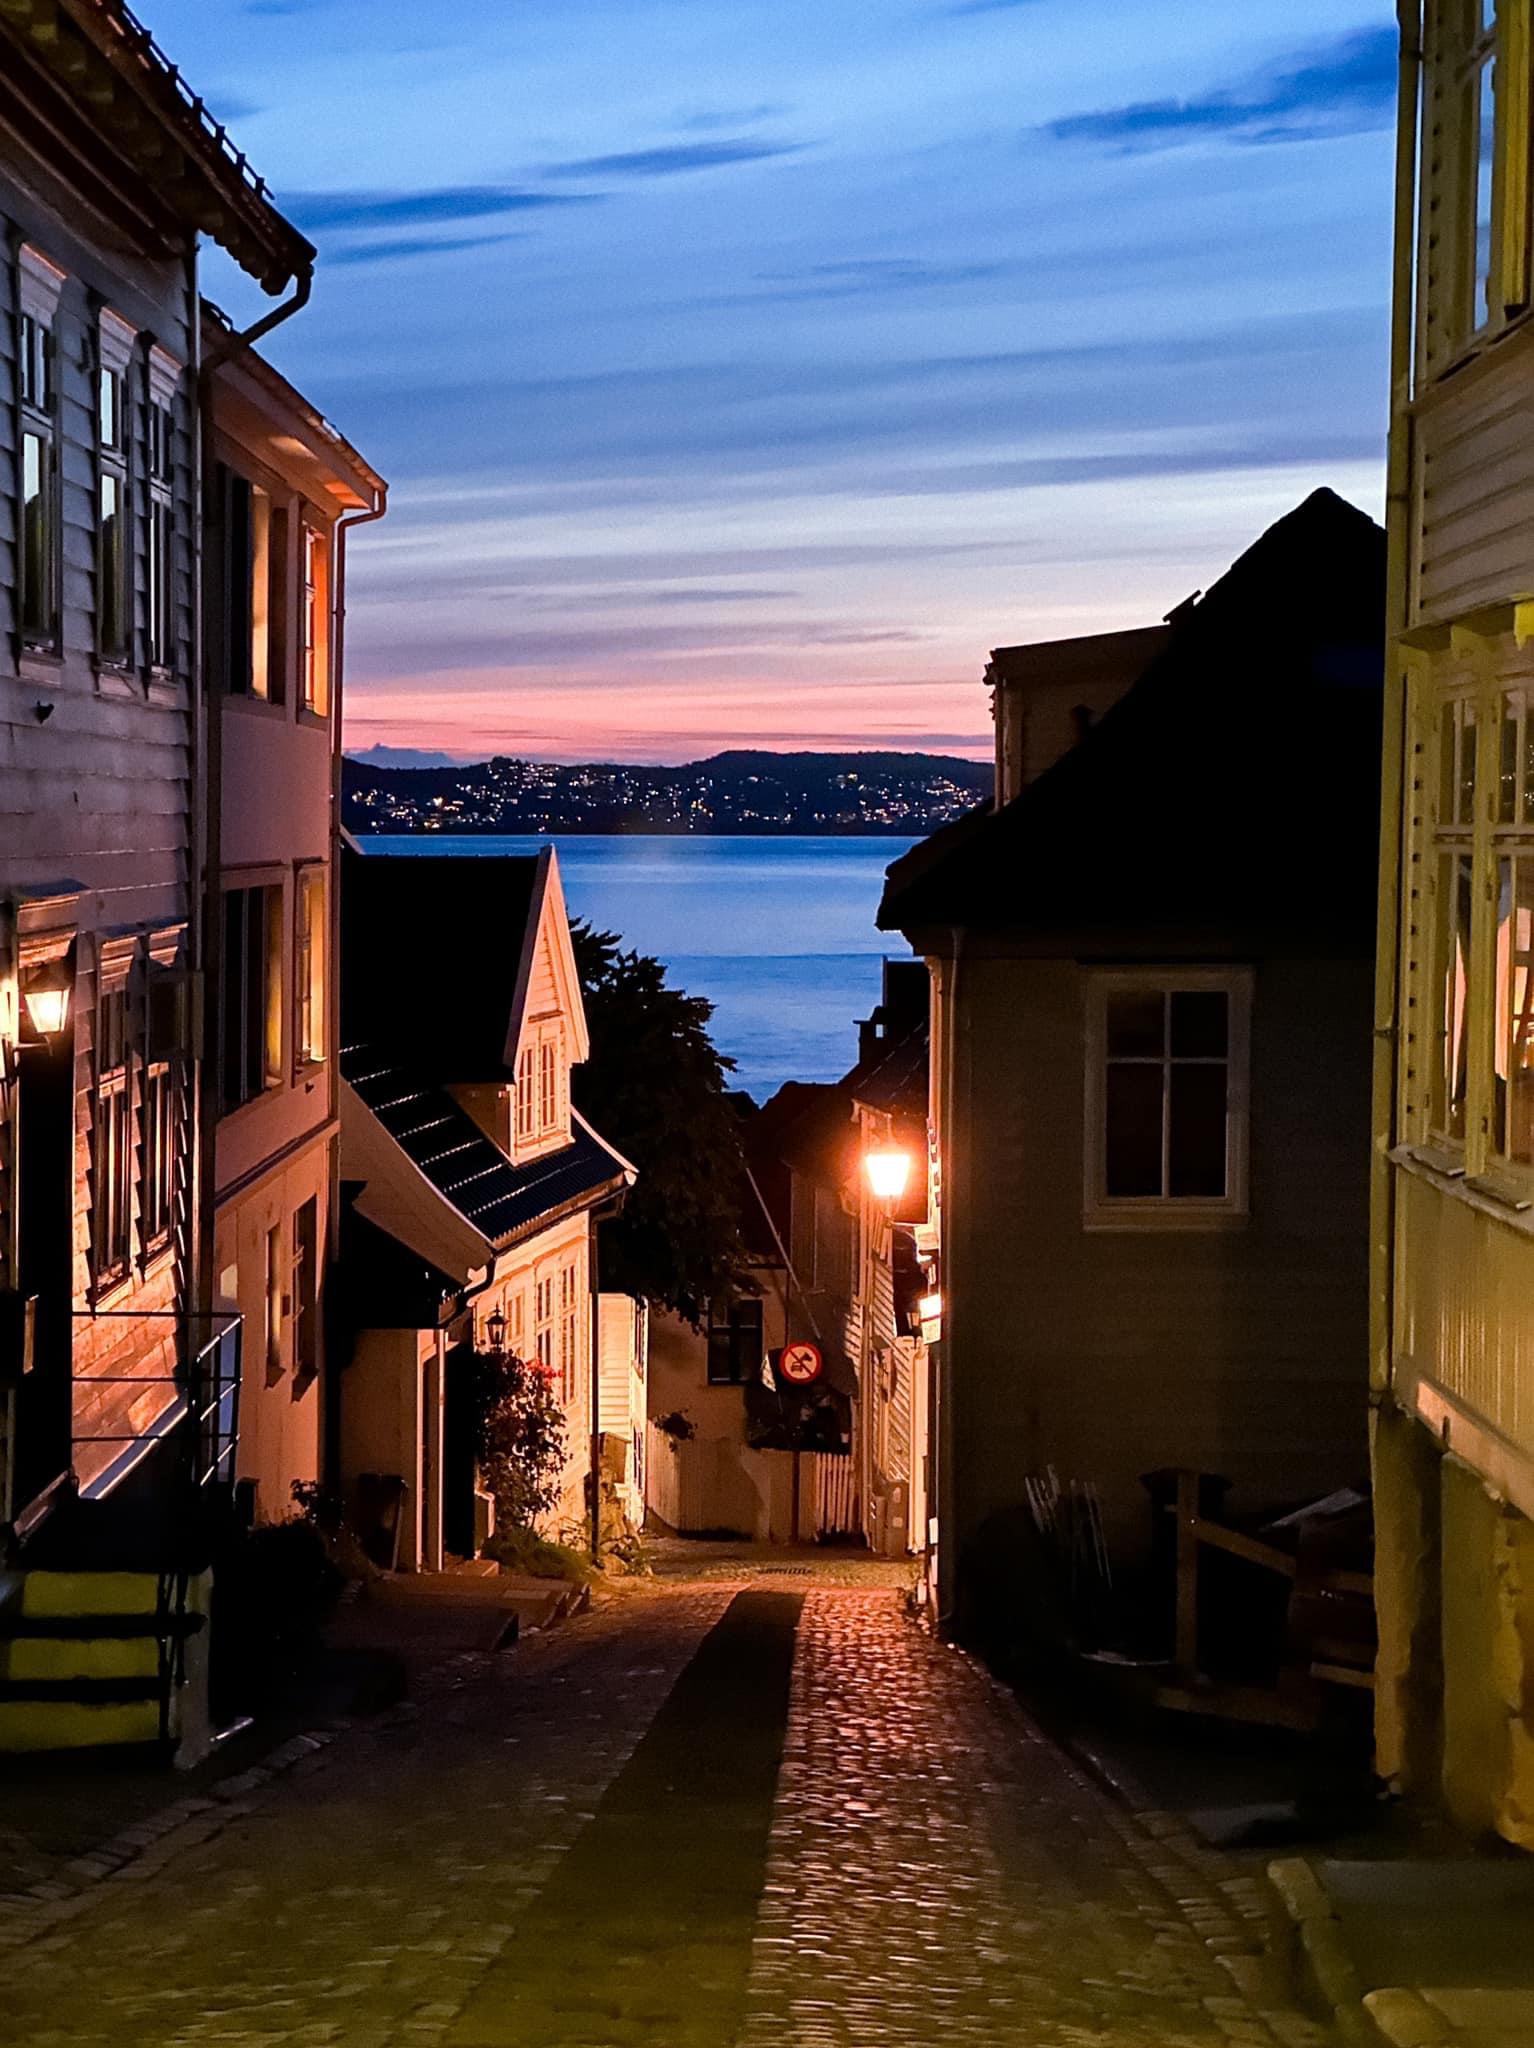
(1453,1336)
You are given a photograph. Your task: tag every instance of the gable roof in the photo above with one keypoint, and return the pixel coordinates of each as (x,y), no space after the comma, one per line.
(436,951)
(1235,784)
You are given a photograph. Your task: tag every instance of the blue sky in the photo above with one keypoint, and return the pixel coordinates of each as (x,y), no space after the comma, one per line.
(745,369)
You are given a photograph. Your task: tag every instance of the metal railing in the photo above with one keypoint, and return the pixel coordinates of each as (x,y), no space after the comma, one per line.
(202,1393)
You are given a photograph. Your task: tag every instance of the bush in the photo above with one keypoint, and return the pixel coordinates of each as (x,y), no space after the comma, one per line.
(520,1550)
(519,1437)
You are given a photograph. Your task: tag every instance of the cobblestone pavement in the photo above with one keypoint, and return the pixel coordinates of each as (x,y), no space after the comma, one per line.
(577,1845)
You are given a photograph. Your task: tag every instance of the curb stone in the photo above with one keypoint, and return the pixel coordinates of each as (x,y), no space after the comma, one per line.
(1322,1956)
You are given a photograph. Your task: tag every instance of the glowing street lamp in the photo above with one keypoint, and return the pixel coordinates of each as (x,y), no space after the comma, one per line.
(495,1330)
(888,1173)
(45,994)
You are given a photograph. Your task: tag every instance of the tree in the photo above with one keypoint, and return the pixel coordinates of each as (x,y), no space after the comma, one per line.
(656,1088)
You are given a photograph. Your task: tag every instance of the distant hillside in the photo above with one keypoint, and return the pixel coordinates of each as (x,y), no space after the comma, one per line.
(733,792)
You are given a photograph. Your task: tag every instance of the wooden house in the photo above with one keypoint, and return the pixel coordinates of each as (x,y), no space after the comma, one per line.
(117,1380)
(1452,1350)
(472,1187)
(1151,970)
(283,490)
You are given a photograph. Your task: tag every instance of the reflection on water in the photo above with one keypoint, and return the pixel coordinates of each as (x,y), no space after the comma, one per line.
(778,934)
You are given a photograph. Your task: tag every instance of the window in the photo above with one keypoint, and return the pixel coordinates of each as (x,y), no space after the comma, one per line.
(525,1098)
(250,1014)
(548,1084)
(306,1294)
(112,1141)
(1512,1106)
(1452,878)
(316,666)
(1480,90)
(542,1106)
(159,1156)
(113,588)
(39,579)
(276,1307)
(735,1342)
(160,537)
(251,538)
(1166,1112)
(543,1324)
(310,954)
(569,1331)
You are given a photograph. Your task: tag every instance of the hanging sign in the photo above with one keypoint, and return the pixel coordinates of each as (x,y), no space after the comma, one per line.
(800,1364)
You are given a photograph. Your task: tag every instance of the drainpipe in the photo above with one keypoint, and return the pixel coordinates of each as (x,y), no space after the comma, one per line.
(207,779)
(1389,938)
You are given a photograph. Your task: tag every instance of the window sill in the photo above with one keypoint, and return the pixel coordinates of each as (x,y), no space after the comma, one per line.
(1104,1218)
(1501,1194)
(253,706)
(118,679)
(156,1259)
(35,659)
(107,1292)
(316,721)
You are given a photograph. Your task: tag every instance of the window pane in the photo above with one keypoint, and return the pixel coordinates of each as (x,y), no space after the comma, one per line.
(1136,1024)
(1196,1139)
(1485,160)
(1200,1024)
(1451,991)
(1464,803)
(1515,1011)
(1507,767)
(37,607)
(1132,1163)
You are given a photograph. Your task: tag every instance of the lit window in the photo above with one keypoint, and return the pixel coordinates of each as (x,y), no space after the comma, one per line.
(1166,1124)
(112,1141)
(316,676)
(160,536)
(310,955)
(276,1307)
(306,1294)
(159,1156)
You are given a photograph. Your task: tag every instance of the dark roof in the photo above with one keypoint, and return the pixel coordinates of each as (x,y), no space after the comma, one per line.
(431,954)
(96,58)
(502,1200)
(897,1081)
(1235,786)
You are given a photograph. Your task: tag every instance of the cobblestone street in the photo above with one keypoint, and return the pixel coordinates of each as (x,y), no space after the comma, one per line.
(763,1813)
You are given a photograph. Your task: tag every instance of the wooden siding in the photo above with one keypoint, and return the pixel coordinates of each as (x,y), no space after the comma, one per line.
(95,765)
(1473,497)
(1109,1354)
(1462,1307)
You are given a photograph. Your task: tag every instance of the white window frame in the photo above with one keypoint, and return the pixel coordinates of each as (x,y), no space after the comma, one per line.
(1167,1212)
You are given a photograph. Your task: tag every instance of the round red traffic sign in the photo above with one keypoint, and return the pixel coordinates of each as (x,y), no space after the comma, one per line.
(800,1364)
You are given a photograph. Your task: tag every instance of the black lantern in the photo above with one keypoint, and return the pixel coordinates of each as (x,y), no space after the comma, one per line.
(45,994)
(495,1329)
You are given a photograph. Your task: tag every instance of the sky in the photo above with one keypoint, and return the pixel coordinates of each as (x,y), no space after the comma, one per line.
(744,370)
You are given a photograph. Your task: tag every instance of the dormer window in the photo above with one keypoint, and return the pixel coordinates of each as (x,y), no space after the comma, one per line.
(542,1087)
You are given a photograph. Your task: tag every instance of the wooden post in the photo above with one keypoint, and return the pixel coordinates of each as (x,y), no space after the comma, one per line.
(1187,1573)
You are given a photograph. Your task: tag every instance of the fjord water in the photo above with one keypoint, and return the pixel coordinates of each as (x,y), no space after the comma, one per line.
(777,933)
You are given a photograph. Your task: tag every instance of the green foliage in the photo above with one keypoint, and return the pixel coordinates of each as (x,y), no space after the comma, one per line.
(656,1088)
(520,1550)
(519,1436)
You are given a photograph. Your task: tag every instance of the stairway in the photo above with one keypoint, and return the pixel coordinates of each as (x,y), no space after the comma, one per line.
(102,1659)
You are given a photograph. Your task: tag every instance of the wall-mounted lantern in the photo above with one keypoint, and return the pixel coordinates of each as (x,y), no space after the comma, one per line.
(495,1330)
(888,1174)
(45,993)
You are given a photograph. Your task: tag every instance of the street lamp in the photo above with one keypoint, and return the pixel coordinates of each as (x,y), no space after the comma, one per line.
(888,1173)
(495,1329)
(45,993)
